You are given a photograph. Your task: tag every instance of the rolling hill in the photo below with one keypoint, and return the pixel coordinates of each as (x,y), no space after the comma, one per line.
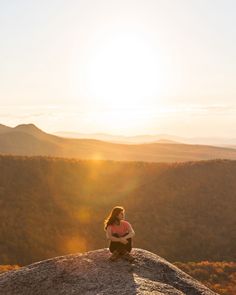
(28,140)
(140,139)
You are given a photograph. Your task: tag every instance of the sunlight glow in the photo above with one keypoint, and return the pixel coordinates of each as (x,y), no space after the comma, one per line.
(92,64)
(82,214)
(73,244)
(124,71)
(120,120)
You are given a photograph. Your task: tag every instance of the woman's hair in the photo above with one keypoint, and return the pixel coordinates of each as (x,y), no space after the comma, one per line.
(112,217)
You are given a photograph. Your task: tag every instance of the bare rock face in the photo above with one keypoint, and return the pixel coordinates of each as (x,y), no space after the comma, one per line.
(92,273)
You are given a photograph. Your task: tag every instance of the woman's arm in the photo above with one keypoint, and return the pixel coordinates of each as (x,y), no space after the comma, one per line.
(110,237)
(131,233)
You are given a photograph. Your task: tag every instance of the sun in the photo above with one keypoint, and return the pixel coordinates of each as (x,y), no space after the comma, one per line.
(124,71)
(121,80)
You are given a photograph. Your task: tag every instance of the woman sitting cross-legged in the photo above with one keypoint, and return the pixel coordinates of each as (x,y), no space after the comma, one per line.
(120,233)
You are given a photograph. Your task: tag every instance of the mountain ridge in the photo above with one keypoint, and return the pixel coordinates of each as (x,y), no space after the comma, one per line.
(145,138)
(13,141)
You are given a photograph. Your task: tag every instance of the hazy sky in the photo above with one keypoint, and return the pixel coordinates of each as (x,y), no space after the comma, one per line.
(122,67)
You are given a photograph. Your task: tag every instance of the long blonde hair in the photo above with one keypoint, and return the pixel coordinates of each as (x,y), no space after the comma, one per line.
(112,217)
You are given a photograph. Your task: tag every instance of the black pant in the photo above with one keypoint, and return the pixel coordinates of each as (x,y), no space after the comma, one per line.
(120,246)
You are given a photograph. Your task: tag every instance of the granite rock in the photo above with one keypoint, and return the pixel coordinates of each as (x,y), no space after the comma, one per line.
(92,273)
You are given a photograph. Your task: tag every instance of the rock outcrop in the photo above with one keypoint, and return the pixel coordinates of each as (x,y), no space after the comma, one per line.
(92,273)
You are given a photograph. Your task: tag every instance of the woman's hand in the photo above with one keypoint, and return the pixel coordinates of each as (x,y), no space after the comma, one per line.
(123,240)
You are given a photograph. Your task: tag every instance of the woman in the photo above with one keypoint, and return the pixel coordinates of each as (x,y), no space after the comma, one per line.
(119,232)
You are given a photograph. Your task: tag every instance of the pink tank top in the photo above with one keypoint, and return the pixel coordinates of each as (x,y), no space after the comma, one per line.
(121,229)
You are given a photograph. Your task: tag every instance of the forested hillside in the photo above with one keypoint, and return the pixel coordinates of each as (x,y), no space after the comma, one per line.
(218,276)
(53,206)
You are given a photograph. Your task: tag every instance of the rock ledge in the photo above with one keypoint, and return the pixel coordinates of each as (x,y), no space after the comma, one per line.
(92,273)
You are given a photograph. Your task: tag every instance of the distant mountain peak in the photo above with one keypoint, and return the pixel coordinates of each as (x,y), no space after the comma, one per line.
(30,125)
(4,128)
(1,125)
(29,128)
